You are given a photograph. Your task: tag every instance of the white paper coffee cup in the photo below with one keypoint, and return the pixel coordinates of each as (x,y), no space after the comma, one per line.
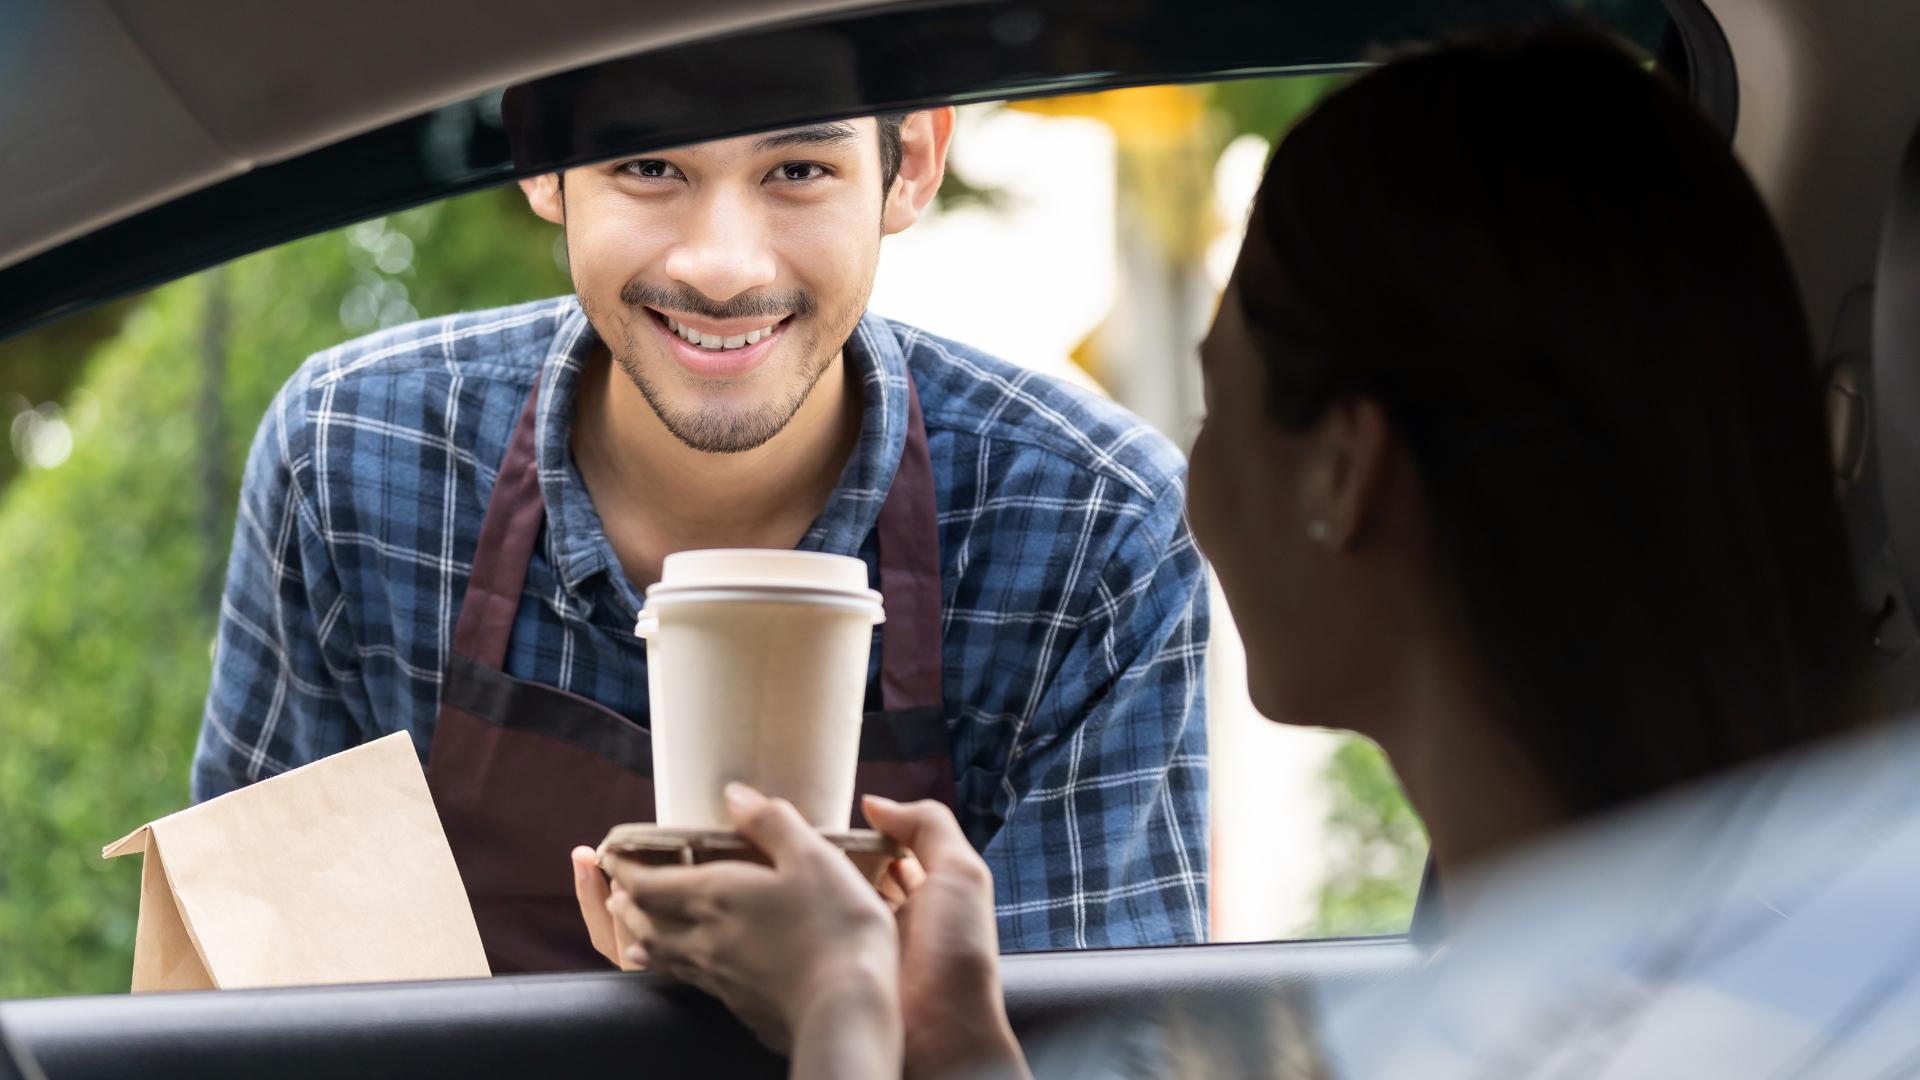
(757,672)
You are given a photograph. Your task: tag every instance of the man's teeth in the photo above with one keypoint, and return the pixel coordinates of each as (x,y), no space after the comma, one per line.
(715,341)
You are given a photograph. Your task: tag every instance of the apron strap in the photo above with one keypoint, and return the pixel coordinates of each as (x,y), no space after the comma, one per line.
(909,529)
(515,513)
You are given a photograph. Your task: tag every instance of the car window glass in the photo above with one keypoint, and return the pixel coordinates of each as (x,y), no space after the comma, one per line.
(1083,237)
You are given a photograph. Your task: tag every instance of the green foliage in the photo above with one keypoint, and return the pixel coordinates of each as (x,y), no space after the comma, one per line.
(1376,847)
(43,366)
(1268,107)
(107,623)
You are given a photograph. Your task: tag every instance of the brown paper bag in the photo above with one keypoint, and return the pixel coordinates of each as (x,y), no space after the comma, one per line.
(334,872)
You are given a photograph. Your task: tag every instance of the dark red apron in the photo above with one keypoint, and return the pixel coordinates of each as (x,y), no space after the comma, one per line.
(522,773)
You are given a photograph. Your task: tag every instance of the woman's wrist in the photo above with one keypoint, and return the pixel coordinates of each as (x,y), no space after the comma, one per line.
(849,1024)
(973,1038)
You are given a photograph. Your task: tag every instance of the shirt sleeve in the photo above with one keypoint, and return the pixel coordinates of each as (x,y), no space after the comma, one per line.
(285,687)
(1104,836)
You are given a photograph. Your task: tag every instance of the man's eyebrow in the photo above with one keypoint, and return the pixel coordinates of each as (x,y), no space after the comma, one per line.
(829,134)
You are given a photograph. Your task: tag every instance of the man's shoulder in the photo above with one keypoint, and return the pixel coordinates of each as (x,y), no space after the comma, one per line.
(976,395)
(452,385)
(505,345)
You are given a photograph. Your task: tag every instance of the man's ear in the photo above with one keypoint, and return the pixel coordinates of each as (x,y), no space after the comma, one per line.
(543,195)
(924,137)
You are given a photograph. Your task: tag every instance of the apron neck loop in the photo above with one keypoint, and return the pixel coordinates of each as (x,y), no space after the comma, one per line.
(515,513)
(910,674)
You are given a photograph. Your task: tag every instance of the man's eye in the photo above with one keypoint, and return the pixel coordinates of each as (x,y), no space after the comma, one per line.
(650,169)
(800,171)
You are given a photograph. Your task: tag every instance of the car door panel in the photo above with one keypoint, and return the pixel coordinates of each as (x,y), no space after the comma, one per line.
(549,1024)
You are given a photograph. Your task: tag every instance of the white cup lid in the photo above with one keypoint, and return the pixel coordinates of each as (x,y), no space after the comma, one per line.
(733,574)
(737,568)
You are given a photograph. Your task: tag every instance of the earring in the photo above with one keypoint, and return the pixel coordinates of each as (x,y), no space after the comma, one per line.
(1319,532)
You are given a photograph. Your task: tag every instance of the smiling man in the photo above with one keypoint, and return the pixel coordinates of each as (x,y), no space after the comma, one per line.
(447,529)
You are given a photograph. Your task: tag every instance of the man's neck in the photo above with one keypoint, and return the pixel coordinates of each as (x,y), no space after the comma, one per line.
(656,495)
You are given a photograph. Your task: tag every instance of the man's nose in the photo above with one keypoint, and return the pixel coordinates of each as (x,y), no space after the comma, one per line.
(724,250)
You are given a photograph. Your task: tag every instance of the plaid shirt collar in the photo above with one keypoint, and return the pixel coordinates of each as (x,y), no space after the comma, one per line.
(577,542)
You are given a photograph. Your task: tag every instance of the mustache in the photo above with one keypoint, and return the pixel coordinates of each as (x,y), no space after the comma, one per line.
(692,301)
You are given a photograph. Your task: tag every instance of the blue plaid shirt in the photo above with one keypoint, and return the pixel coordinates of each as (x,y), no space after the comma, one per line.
(1074,601)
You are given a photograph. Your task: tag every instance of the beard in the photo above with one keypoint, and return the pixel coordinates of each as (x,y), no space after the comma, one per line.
(717,428)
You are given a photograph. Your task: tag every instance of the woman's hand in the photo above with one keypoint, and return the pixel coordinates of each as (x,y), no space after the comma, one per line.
(950,994)
(804,952)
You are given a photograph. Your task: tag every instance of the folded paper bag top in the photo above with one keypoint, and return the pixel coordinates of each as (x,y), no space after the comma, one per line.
(337,871)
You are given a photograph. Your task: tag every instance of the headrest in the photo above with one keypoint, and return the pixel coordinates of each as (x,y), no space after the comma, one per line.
(1896,372)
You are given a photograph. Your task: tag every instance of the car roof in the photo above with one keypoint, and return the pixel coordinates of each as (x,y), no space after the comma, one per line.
(169,137)
(133,103)
(114,107)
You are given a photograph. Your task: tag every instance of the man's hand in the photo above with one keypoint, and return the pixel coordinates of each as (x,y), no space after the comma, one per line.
(950,999)
(804,952)
(609,937)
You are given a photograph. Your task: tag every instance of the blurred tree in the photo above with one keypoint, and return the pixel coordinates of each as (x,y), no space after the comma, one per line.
(1268,107)
(1376,847)
(42,366)
(106,630)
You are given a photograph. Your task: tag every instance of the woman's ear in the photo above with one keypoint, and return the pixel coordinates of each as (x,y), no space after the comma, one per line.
(544,196)
(1347,484)
(924,137)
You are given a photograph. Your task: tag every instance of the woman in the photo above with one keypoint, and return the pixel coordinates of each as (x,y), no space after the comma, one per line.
(1512,462)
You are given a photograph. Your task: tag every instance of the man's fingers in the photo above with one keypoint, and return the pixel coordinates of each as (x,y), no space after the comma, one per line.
(588,882)
(928,829)
(590,889)
(772,825)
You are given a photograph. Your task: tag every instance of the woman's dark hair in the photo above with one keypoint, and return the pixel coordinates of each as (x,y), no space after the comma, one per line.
(1551,272)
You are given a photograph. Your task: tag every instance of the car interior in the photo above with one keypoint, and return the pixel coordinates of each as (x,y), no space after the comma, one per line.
(144,142)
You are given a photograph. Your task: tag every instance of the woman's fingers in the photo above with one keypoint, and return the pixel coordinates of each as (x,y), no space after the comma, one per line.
(908,873)
(891,889)
(768,941)
(679,950)
(904,876)
(772,825)
(630,927)
(928,829)
(666,893)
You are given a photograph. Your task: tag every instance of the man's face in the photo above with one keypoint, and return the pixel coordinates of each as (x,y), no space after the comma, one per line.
(724,277)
